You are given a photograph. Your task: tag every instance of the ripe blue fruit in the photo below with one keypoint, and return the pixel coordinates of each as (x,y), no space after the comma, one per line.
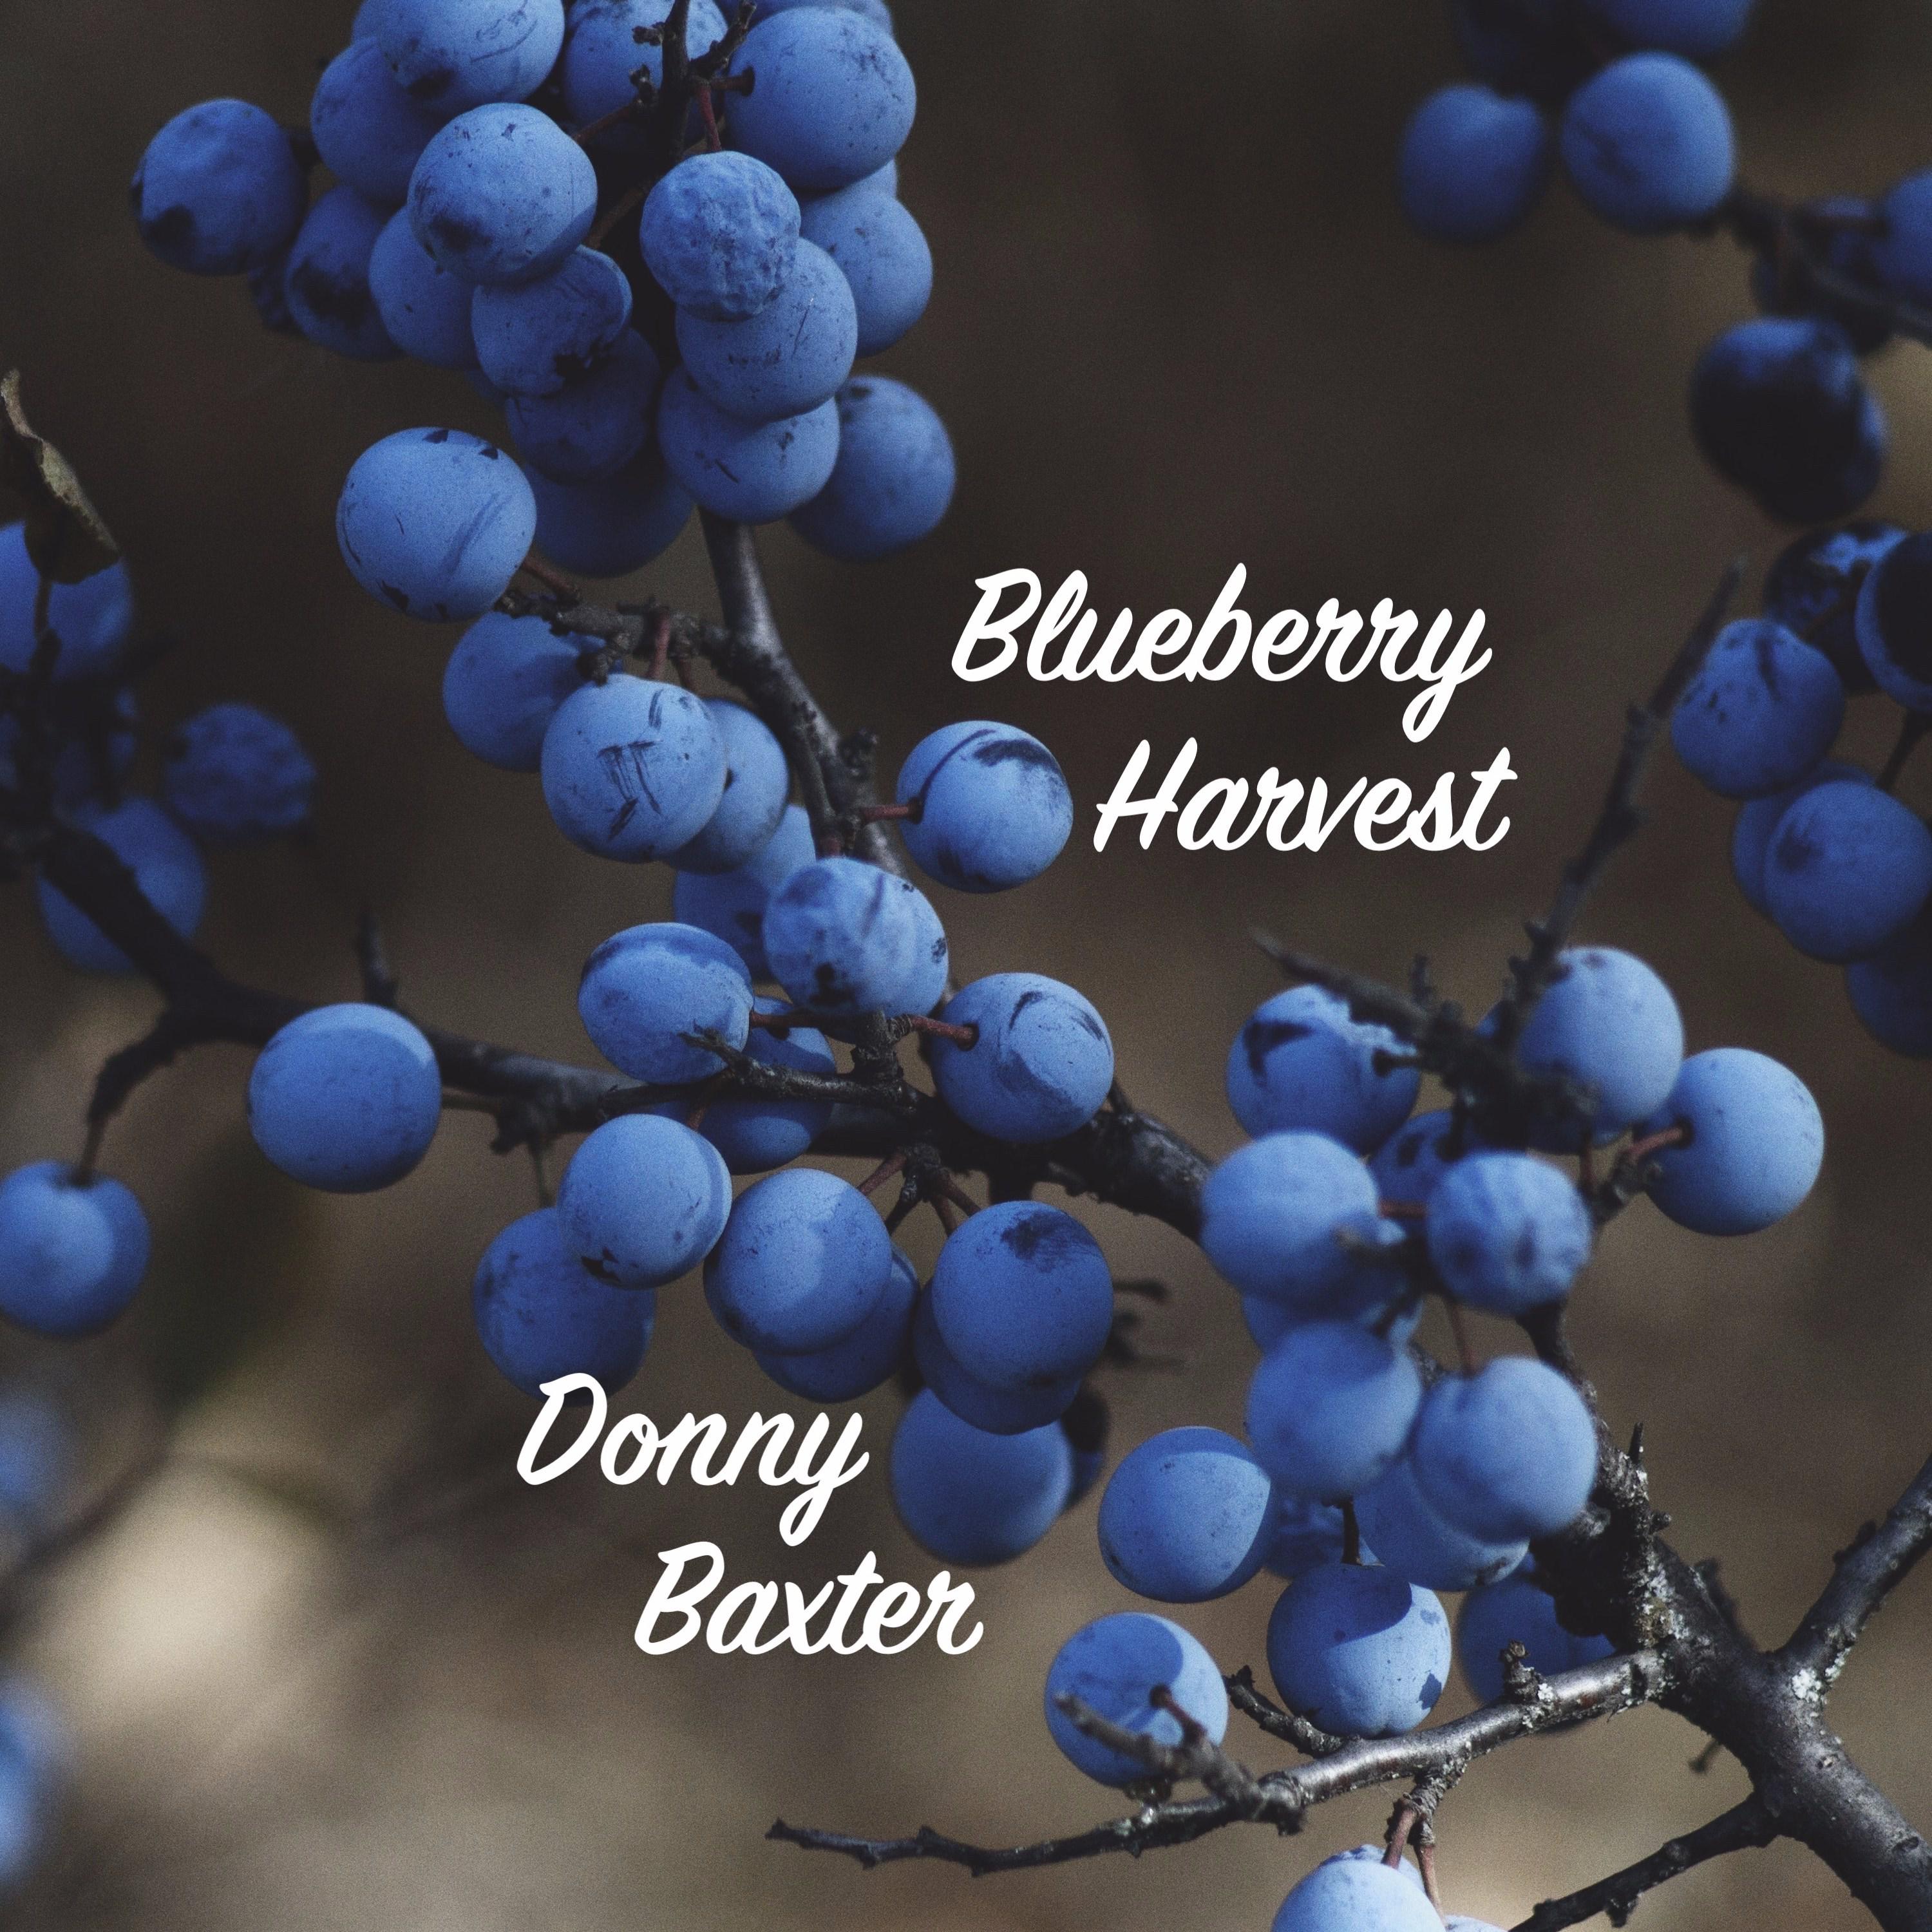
(1847,867)
(864,1358)
(1698,29)
(1812,589)
(643,1201)
(1358,1650)
(1000,1412)
(1756,1142)
(843,937)
(540,1314)
(346,1099)
(1113,1666)
(455,54)
(1357,1892)
(1507,1234)
(1410,1165)
(966,1496)
(647,987)
(882,253)
(424,309)
(1515,1610)
(1303,1062)
(787,359)
(632,768)
(1901,250)
(1021,1296)
(893,479)
(326,280)
(720,234)
(730,906)
(1607,1024)
(1411,1540)
(1762,709)
(596,425)
(834,99)
(803,1262)
(1647,143)
(754,1136)
(1507,1454)
(368,130)
(166,866)
(1278,1217)
(1891,991)
(757,779)
(602,51)
(751,472)
(435,521)
(1893,621)
(613,525)
(72,1250)
(991,808)
(1329,1408)
(1757,824)
(1473,163)
(533,337)
(1042,1065)
(502,194)
(234,776)
(219,190)
(1187,1516)
(1778,406)
(94,619)
(503,684)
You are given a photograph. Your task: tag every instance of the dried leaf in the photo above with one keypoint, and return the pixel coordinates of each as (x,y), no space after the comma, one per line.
(65,537)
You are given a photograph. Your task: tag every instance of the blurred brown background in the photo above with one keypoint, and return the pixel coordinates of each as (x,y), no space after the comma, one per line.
(324,1676)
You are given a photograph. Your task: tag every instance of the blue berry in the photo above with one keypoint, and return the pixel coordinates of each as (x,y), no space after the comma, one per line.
(219,190)
(455,54)
(1847,867)
(1608,1025)
(1410,1165)
(1282,1216)
(843,937)
(1357,1892)
(504,683)
(1762,711)
(597,424)
(965,1496)
(1515,1610)
(893,480)
(424,310)
(94,619)
(1473,163)
(1000,1412)
(1901,250)
(1302,1062)
(1358,1650)
(1756,1142)
(326,279)
(1757,824)
(632,768)
(1411,1540)
(834,98)
(540,1314)
(647,987)
(803,1263)
(533,337)
(755,1136)
(503,194)
(1893,621)
(1812,589)
(602,52)
(731,905)
(750,472)
(720,234)
(235,776)
(346,1098)
(1697,29)
(642,1201)
(882,253)
(1507,1234)
(757,779)
(1042,1065)
(1507,1454)
(864,1358)
(435,521)
(1647,143)
(1891,991)
(72,1250)
(1329,1408)
(367,130)
(789,358)
(1189,1515)
(1113,1666)
(166,866)
(615,524)
(990,806)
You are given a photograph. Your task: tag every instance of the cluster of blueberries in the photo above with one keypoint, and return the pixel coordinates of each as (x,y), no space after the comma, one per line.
(1777,403)
(489,157)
